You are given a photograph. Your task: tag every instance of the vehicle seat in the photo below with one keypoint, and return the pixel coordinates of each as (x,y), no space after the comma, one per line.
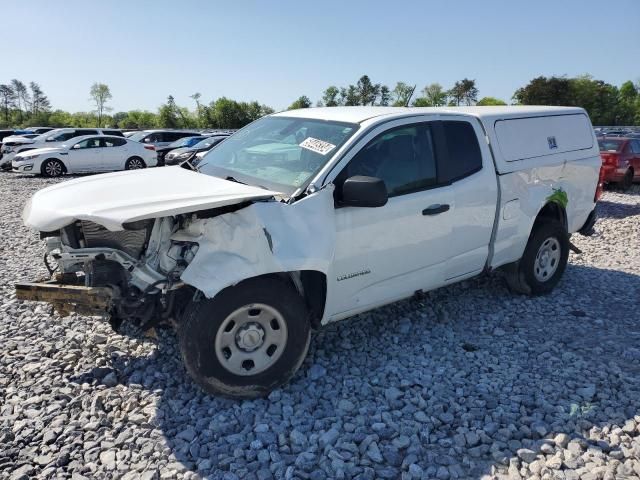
(399,164)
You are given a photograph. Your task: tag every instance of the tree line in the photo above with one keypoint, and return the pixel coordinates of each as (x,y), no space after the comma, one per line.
(26,105)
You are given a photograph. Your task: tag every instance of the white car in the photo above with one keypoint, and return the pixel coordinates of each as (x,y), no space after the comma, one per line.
(311,216)
(17,144)
(89,153)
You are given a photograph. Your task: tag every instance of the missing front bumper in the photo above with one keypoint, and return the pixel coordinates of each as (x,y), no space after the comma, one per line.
(67,299)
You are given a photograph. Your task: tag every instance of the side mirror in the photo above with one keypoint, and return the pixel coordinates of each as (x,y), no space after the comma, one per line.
(361,191)
(76,146)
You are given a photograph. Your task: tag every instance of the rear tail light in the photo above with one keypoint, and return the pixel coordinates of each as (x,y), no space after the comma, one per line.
(149,147)
(600,186)
(609,158)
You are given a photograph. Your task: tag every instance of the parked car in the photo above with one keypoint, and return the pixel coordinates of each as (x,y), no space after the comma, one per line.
(311,216)
(161,138)
(184,142)
(89,153)
(37,130)
(18,144)
(180,155)
(620,160)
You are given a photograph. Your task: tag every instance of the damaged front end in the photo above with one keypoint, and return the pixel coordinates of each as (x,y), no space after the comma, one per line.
(131,274)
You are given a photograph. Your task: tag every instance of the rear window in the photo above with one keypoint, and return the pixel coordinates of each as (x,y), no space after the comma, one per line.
(464,151)
(610,145)
(116,133)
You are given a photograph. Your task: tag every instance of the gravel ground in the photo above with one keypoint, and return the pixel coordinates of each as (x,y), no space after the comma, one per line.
(468,382)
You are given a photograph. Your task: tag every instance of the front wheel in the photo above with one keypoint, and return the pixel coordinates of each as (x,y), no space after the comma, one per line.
(52,168)
(134,163)
(247,340)
(543,262)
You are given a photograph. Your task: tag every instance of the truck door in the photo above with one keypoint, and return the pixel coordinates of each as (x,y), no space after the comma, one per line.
(387,253)
(467,173)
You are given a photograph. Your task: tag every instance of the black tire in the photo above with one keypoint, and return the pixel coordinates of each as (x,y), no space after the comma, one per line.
(52,168)
(627,180)
(521,276)
(203,321)
(134,163)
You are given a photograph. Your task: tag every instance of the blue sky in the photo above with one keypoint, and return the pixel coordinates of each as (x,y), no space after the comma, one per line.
(275,51)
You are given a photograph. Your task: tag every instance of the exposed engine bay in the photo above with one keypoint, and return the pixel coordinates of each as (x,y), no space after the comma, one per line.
(141,265)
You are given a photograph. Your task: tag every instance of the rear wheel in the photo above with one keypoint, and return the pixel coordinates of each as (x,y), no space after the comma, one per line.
(52,168)
(627,180)
(247,340)
(134,163)
(543,262)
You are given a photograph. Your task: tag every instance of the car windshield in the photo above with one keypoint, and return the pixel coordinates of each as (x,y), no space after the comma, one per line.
(136,137)
(610,145)
(207,142)
(43,136)
(185,142)
(277,152)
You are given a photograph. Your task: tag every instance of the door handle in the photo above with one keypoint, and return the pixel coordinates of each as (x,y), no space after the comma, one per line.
(435,209)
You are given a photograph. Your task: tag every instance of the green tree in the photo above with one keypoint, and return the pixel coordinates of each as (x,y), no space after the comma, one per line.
(39,101)
(330,96)
(433,95)
(598,98)
(464,91)
(7,101)
(21,98)
(487,101)
(300,102)
(384,96)
(628,104)
(100,95)
(401,94)
(545,91)
(366,91)
(349,96)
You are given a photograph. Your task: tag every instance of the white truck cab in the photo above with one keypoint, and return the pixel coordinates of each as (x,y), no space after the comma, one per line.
(310,216)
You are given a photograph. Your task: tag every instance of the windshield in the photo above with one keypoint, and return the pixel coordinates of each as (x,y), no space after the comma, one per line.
(610,145)
(136,137)
(207,142)
(281,151)
(43,136)
(185,142)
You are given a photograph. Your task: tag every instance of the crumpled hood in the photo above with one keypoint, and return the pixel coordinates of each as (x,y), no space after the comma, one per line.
(115,198)
(17,139)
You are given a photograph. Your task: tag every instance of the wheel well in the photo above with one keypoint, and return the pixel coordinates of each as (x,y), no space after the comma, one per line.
(312,286)
(64,167)
(552,211)
(136,156)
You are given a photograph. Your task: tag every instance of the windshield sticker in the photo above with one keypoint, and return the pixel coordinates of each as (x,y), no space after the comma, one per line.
(318,146)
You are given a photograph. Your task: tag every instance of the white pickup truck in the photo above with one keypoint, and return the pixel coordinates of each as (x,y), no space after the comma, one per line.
(310,216)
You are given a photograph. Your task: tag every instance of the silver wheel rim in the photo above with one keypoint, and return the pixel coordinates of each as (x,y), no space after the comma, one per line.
(135,164)
(547,259)
(251,339)
(53,169)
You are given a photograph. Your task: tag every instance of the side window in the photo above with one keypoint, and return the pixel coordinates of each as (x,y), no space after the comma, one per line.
(85,132)
(173,136)
(64,136)
(465,157)
(87,143)
(635,146)
(113,142)
(403,158)
(154,138)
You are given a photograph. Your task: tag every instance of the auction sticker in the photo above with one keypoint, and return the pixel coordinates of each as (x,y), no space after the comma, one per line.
(318,146)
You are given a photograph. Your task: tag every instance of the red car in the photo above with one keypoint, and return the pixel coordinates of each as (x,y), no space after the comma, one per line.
(620,160)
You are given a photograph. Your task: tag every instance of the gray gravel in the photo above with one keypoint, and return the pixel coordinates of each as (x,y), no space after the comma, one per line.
(468,382)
